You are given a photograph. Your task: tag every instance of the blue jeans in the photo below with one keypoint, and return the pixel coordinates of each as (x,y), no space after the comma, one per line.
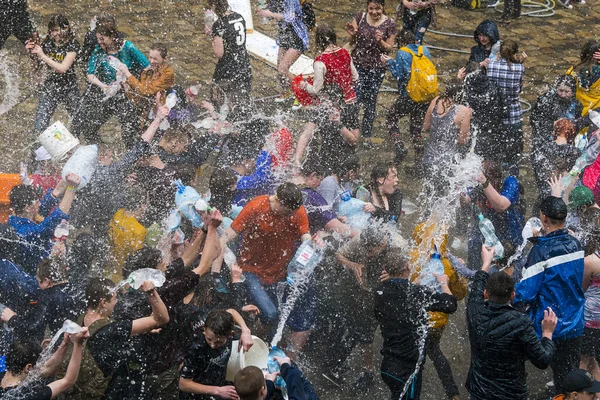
(264,297)
(415,23)
(50,97)
(367,88)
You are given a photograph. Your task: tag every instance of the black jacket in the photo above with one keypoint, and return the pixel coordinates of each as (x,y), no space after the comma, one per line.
(401,310)
(502,339)
(548,109)
(489,29)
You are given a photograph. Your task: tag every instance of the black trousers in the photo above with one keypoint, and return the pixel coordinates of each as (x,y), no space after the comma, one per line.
(15,21)
(441,364)
(566,359)
(398,375)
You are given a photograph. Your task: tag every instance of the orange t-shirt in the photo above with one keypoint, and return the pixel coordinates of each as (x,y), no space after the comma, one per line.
(268,239)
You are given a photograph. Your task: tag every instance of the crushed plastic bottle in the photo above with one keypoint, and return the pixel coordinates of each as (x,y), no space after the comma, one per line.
(202,206)
(491,240)
(209,19)
(273,366)
(185,198)
(352,208)
(531,225)
(171,100)
(83,163)
(304,262)
(71,327)
(136,278)
(61,232)
(173,220)
(433,266)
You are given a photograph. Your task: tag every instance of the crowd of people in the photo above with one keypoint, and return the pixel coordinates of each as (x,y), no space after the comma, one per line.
(159,290)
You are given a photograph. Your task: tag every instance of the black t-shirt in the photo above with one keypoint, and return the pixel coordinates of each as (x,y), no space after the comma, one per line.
(205,365)
(26,393)
(58,54)
(235,62)
(110,346)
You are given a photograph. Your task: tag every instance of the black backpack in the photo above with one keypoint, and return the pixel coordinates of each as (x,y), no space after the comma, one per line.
(308,15)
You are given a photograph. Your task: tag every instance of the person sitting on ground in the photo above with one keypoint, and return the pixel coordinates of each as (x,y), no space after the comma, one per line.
(205,365)
(402,320)
(579,385)
(251,384)
(22,358)
(486,36)
(502,338)
(37,237)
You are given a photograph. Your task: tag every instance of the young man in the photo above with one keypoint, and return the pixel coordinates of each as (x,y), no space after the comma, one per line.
(271,226)
(23,356)
(579,385)
(502,338)
(250,384)
(553,276)
(403,323)
(37,237)
(205,365)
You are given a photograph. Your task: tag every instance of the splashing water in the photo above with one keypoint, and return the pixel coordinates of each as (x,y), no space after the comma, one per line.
(295,291)
(11,80)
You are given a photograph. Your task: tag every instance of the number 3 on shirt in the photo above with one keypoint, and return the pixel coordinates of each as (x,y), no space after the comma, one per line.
(241,33)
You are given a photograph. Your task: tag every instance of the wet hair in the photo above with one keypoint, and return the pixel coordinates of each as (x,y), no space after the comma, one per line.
(248,383)
(451,92)
(221,194)
(205,296)
(564,127)
(509,50)
(146,257)
(312,165)
(566,80)
(472,66)
(371,238)
(20,354)
(134,197)
(107,21)
(176,134)
(109,28)
(380,170)
(161,48)
(289,195)
(22,196)
(405,37)
(586,57)
(98,289)
(53,269)
(325,36)
(500,288)
(219,322)
(380,2)
(509,251)
(219,7)
(395,262)
(493,172)
(351,163)
(61,22)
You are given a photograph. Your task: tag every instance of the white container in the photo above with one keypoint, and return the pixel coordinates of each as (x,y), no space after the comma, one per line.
(58,141)
(83,163)
(257,356)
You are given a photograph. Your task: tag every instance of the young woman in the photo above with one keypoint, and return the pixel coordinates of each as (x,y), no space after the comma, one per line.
(104,96)
(58,52)
(416,16)
(591,284)
(448,125)
(292,38)
(587,74)
(372,33)
(507,71)
(229,46)
(384,198)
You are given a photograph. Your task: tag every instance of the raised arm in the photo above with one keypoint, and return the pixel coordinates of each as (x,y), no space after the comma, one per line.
(60,67)
(159,316)
(60,386)
(498,202)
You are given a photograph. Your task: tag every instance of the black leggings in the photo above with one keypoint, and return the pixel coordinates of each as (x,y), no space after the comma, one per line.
(441,364)
(395,375)
(15,21)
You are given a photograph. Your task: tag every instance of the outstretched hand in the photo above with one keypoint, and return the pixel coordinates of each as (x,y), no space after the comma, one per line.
(487,255)
(556,186)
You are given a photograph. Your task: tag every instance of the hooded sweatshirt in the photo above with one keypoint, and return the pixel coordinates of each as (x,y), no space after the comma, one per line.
(480,52)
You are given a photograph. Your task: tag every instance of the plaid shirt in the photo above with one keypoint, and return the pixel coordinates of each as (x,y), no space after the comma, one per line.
(510,79)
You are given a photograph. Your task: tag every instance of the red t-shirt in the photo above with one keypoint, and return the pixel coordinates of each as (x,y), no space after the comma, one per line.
(268,239)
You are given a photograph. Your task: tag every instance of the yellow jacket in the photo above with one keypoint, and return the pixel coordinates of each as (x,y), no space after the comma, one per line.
(589,98)
(457,284)
(127,235)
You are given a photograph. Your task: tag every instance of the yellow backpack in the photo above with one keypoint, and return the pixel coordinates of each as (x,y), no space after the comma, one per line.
(423,83)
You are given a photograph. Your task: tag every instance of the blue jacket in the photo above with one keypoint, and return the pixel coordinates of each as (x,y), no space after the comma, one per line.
(401,67)
(17,287)
(255,184)
(553,278)
(37,238)
(298,387)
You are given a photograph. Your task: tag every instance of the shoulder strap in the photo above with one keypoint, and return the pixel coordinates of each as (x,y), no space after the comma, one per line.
(407,50)
(420,51)
(361,18)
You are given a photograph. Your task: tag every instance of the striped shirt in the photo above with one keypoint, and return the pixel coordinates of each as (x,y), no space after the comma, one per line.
(510,80)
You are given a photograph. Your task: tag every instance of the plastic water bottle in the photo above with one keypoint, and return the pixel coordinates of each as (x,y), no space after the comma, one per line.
(491,240)
(202,206)
(262,4)
(352,208)
(303,263)
(114,62)
(531,225)
(173,220)
(273,365)
(171,100)
(433,266)
(61,232)
(71,327)
(136,278)
(185,198)
(209,19)
(83,163)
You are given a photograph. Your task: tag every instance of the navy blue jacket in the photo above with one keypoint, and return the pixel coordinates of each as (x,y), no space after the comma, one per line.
(553,278)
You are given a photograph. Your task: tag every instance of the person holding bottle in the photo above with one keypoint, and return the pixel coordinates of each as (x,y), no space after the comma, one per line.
(58,51)
(372,33)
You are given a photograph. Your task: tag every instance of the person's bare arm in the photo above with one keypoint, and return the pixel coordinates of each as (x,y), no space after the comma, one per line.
(222,392)
(161,113)
(93,79)
(591,267)
(464,123)
(72,181)
(51,366)
(335,225)
(212,251)
(318,79)
(498,202)
(193,251)
(354,267)
(60,386)
(487,255)
(60,67)
(246,339)
(351,136)
(305,138)
(218,47)
(427,120)
(159,316)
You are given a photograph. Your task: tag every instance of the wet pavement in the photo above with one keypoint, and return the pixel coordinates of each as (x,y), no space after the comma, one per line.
(552,45)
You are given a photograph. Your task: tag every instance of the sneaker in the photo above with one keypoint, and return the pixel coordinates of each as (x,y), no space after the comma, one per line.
(565,4)
(364,383)
(333,377)
(296,105)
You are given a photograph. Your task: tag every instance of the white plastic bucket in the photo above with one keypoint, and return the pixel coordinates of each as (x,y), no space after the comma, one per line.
(257,356)
(58,141)
(83,162)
